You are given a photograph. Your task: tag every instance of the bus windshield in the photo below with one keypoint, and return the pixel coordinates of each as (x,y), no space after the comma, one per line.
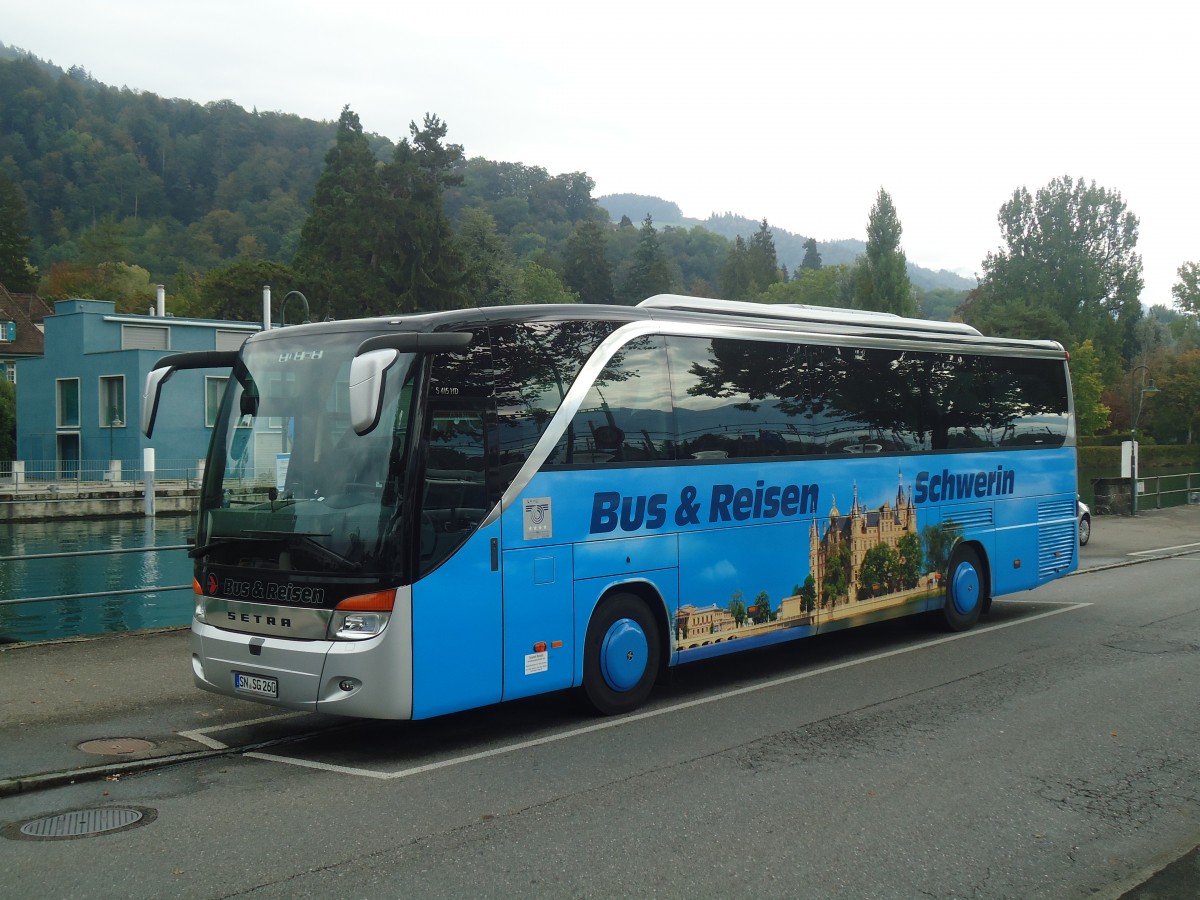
(289,485)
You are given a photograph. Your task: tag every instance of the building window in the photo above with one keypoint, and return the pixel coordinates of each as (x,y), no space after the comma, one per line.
(145,337)
(68,403)
(112,401)
(214,390)
(231,340)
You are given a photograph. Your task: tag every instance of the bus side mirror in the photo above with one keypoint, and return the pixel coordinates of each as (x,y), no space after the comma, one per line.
(167,366)
(151,393)
(376,355)
(367,376)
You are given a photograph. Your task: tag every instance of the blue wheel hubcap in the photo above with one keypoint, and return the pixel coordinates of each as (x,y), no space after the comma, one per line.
(623,655)
(966,588)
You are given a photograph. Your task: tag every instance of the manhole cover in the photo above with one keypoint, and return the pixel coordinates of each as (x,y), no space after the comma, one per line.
(80,823)
(116,746)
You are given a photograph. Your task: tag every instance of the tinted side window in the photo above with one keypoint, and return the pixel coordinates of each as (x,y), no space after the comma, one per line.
(871,400)
(738,399)
(535,364)
(626,416)
(753,399)
(1028,403)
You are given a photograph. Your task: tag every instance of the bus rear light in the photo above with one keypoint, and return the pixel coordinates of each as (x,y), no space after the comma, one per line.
(539,647)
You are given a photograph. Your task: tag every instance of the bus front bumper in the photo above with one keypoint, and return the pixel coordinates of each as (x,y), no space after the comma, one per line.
(370,678)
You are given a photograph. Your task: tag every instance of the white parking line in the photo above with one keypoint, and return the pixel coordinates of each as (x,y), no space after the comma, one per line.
(1163,550)
(650,714)
(200,735)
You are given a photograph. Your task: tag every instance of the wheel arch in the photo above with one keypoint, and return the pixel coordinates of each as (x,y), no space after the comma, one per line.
(956,619)
(984,560)
(649,594)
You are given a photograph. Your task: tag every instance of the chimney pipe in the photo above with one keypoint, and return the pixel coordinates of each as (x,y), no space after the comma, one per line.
(266,307)
(161,305)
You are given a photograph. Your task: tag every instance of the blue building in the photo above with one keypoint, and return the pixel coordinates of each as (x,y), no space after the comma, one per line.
(79,405)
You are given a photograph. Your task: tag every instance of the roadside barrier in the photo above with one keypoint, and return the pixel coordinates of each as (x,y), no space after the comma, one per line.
(120,592)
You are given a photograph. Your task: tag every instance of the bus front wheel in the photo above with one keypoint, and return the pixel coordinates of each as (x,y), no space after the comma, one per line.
(620,655)
(966,590)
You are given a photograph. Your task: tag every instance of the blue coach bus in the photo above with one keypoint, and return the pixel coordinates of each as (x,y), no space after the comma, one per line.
(404,517)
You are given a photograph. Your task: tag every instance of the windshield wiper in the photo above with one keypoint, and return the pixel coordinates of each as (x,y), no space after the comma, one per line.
(310,542)
(307,538)
(203,549)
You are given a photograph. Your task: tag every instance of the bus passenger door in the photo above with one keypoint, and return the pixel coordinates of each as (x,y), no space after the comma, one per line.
(456,604)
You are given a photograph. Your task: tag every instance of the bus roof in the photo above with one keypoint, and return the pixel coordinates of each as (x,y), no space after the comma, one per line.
(799,313)
(791,318)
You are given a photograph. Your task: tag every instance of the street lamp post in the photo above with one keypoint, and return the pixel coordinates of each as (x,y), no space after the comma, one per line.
(1134,412)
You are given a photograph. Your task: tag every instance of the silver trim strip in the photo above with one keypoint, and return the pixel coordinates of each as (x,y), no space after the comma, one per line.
(296,622)
(797,312)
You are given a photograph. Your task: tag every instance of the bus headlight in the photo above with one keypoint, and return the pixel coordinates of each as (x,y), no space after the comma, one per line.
(362,617)
(200,612)
(358,626)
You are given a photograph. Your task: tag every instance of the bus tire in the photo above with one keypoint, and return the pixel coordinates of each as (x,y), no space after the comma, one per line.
(620,655)
(966,590)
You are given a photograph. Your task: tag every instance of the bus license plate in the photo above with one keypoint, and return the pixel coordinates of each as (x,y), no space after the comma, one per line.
(256,684)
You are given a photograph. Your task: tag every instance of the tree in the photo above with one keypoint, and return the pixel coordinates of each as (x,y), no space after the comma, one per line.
(586,270)
(377,240)
(881,273)
(828,286)
(835,585)
(104,243)
(812,259)
(15,272)
(1091,415)
(909,553)
(542,285)
(649,271)
(492,278)
(423,265)
(761,259)
(808,594)
(1069,271)
(939,542)
(879,573)
(127,286)
(940,303)
(737,608)
(736,280)
(340,248)
(235,291)
(1187,291)
(761,611)
(1176,408)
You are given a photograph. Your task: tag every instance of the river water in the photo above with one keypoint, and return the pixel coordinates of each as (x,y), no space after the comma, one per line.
(92,573)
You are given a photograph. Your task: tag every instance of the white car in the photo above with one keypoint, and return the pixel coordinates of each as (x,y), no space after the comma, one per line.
(1085,522)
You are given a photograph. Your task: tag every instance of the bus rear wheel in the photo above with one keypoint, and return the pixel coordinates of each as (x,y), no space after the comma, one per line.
(966,590)
(620,655)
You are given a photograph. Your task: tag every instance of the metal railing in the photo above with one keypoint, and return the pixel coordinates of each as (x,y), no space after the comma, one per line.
(41,475)
(1169,490)
(119,592)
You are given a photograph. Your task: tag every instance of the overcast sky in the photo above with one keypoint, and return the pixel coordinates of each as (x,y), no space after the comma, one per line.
(793,111)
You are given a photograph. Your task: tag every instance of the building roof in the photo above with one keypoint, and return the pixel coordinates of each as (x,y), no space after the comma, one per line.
(28,311)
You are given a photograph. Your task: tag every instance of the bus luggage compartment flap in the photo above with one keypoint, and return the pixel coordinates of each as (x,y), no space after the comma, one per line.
(625,556)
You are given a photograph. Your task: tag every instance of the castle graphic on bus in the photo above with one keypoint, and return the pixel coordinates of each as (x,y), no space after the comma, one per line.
(864,563)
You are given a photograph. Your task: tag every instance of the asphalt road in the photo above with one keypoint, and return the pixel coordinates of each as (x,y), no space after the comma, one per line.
(1051,752)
